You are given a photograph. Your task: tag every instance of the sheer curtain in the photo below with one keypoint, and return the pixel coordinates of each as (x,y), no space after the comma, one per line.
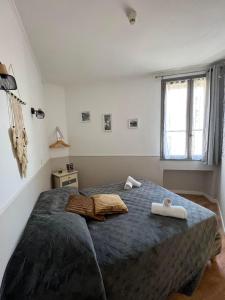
(175,120)
(198,109)
(213,125)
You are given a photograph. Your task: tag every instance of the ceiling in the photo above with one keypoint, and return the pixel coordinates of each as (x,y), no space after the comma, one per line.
(78,41)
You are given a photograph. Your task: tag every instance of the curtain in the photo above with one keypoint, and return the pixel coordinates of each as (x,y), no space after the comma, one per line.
(213,124)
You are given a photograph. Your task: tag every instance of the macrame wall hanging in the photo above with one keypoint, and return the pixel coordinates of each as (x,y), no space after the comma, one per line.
(18,132)
(17,128)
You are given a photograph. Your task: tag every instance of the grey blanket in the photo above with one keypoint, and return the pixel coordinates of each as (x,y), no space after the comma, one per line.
(145,256)
(131,256)
(55,258)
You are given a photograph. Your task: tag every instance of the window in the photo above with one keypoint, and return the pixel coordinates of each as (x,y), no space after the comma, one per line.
(183,111)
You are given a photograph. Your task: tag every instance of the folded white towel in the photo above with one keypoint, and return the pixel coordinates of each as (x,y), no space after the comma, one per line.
(169,211)
(133,181)
(128,185)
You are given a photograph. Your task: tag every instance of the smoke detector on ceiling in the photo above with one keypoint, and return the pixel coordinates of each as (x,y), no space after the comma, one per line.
(131,14)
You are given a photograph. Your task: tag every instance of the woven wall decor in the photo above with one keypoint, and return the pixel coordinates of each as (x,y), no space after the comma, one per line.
(18,133)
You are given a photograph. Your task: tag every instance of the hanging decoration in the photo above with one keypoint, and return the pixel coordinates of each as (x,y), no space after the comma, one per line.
(18,133)
(17,128)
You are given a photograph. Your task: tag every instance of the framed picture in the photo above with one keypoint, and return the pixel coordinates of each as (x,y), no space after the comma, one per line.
(85,116)
(107,122)
(133,123)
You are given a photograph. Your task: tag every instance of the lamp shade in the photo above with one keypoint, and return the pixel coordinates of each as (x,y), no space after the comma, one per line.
(7,82)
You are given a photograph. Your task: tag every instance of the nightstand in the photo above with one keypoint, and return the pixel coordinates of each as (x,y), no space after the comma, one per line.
(65,179)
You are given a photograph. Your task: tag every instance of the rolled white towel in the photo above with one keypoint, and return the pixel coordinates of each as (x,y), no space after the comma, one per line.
(128,185)
(133,181)
(169,211)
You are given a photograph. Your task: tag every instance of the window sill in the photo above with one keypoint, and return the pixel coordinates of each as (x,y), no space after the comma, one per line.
(185,165)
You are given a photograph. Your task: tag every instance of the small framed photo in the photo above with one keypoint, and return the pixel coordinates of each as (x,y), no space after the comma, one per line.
(85,116)
(133,123)
(107,122)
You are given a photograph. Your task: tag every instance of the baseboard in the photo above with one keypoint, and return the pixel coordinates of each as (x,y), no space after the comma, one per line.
(198,193)
(210,198)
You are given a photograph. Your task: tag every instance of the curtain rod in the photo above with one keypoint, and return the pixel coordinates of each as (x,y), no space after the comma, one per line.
(18,99)
(183,73)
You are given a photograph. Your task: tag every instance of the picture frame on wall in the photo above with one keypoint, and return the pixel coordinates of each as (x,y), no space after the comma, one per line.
(133,123)
(107,122)
(85,116)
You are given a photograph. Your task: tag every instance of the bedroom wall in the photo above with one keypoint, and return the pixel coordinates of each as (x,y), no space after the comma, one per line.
(125,99)
(194,181)
(103,157)
(17,195)
(97,170)
(55,116)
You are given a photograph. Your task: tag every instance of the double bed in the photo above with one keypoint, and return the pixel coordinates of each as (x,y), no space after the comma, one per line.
(136,255)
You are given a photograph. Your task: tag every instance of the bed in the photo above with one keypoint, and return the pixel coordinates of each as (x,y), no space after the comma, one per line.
(130,256)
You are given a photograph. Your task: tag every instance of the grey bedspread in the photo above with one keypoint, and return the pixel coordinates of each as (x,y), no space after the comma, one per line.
(131,256)
(55,258)
(144,256)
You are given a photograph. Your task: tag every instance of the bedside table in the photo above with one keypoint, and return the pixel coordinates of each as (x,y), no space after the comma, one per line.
(65,179)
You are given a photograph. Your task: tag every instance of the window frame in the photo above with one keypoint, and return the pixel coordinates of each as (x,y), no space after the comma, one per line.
(189,115)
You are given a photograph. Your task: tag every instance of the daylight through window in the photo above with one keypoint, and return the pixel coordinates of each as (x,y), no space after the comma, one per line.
(183,114)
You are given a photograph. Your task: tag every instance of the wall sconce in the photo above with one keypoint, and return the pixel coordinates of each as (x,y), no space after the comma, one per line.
(38,113)
(7,82)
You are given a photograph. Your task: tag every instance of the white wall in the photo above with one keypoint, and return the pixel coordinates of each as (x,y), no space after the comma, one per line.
(16,50)
(136,98)
(56,116)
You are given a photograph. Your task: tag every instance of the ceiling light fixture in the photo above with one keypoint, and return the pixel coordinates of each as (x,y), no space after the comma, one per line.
(131,14)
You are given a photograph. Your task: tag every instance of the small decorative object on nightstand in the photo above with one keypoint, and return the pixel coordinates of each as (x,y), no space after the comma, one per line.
(65,178)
